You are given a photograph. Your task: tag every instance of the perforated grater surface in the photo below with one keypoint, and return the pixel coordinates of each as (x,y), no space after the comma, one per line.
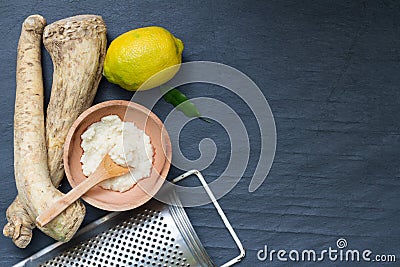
(155,234)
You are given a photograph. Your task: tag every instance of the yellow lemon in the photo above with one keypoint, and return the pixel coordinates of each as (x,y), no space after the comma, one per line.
(137,55)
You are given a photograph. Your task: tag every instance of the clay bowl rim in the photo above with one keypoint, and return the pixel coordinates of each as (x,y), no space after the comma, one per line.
(127,104)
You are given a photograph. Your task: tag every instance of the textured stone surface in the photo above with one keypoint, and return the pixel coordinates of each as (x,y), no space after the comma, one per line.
(330,71)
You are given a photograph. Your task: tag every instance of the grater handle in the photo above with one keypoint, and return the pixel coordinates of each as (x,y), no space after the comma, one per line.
(221,214)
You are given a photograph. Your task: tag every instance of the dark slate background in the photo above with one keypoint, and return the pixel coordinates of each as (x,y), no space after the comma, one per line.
(330,71)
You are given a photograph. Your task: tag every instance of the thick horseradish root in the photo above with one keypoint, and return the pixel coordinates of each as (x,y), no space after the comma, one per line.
(77,46)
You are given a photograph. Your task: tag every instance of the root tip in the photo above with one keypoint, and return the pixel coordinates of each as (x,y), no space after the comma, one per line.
(20,235)
(35,23)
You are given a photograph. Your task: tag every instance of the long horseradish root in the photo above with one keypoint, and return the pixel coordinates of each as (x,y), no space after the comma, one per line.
(77,46)
(35,189)
(29,87)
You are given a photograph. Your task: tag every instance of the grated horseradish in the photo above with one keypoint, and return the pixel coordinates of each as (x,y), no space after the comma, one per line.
(108,136)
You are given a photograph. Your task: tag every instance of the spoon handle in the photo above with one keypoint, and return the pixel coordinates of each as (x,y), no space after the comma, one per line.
(61,204)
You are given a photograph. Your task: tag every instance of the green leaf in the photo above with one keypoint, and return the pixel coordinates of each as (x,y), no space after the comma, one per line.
(181,102)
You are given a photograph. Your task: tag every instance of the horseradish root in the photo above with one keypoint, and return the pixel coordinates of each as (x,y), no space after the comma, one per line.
(77,46)
(35,189)
(29,82)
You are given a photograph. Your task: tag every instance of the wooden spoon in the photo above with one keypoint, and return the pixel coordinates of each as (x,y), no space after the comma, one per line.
(107,169)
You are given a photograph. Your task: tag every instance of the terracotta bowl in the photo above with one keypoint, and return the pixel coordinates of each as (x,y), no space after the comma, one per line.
(146,188)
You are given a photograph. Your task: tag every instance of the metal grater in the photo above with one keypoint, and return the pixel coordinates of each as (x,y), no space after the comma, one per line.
(155,234)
